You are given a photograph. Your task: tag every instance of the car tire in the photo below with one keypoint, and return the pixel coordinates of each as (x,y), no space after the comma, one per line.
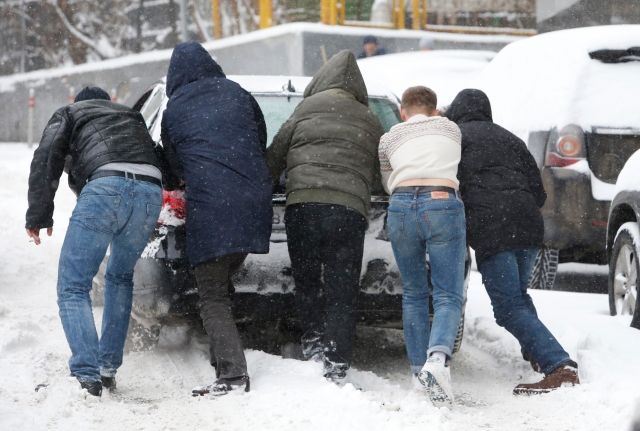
(545,269)
(623,274)
(141,337)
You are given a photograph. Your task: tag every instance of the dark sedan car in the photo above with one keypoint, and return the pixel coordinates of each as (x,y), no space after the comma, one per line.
(164,284)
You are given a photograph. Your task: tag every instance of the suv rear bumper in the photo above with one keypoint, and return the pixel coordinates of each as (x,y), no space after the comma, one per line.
(575,222)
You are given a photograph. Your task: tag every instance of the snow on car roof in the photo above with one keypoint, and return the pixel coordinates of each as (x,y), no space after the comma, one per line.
(279,84)
(549,80)
(446,72)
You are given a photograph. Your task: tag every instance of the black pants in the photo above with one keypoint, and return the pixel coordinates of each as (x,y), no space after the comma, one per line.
(214,287)
(326,243)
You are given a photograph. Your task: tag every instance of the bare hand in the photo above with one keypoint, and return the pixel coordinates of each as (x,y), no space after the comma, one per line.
(34,234)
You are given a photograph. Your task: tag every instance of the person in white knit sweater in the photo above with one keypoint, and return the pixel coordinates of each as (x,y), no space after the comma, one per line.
(419,162)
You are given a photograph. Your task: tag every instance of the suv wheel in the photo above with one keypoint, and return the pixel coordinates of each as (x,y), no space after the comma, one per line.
(623,274)
(545,269)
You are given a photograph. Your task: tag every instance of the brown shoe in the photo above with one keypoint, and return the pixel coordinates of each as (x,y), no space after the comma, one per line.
(565,375)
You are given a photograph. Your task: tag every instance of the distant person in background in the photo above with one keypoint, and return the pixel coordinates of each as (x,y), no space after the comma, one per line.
(426,44)
(115,170)
(371,48)
(502,193)
(215,136)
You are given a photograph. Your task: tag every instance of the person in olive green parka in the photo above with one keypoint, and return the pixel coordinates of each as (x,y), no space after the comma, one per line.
(329,147)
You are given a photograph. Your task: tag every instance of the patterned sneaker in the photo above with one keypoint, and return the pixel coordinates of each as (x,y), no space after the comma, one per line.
(223,387)
(435,376)
(563,376)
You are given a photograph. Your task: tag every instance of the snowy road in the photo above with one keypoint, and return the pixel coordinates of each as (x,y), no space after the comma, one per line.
(288,394)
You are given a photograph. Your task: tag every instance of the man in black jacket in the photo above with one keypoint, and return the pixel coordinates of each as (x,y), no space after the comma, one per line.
(502,192)
(114,169)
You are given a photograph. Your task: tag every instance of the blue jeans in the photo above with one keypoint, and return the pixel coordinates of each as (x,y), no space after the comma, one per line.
(419,224)
(506,276)
(110,210)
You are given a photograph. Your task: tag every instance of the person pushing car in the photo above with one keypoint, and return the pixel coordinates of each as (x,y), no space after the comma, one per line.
(116,171)
(502,192)
(215,135)
(329,147)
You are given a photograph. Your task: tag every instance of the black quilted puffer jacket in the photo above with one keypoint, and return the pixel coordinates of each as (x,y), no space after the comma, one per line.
(89,134)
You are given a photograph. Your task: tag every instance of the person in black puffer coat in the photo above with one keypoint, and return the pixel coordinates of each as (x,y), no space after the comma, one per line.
(215,136)
(502,192)
(116,170)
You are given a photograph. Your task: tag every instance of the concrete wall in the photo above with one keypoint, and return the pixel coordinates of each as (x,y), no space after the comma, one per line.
(281,52)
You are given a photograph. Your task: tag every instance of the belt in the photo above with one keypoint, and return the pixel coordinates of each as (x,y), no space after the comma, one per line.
(424,189)
(102,174)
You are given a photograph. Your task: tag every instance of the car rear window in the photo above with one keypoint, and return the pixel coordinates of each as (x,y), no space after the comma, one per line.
(278,109)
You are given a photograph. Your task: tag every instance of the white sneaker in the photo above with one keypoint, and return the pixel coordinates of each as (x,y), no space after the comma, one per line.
(435,376)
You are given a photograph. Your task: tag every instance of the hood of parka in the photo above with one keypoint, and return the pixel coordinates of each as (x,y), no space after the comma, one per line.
(470,105)
(341,72)
(190,62)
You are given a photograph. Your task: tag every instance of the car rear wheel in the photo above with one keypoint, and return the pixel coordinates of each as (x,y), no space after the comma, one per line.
(545,269)
(623,274)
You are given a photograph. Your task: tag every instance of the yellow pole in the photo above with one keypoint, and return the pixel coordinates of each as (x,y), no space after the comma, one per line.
(324,11)
(333,12)
(417,15)
(265,14)
(401,23)
(343,8)
(215,9)
(424,14)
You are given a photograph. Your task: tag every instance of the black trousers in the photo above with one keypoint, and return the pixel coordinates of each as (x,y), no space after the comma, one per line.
(215,288)
(325,245)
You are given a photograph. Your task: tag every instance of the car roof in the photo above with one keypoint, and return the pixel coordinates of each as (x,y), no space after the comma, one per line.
(550,80)
(446,71)
(264,84)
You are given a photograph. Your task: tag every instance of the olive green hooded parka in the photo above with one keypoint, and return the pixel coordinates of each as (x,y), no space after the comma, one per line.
(329,145)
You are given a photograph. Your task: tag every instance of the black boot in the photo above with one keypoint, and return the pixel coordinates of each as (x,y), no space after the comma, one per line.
(108,382)
(224,386)
(94,388)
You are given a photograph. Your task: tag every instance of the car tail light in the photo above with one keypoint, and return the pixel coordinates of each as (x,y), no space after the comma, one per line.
(174,208)
(568,148)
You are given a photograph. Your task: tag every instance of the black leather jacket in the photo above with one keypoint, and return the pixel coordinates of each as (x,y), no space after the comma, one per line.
(86,135)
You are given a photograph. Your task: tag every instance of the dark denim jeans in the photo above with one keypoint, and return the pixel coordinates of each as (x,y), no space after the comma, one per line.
(325,245)
(506,276)
(110,210)
(419,224)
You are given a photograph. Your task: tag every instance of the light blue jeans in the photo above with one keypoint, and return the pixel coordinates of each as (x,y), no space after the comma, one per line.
(110,210)
(506,277)
(419,224)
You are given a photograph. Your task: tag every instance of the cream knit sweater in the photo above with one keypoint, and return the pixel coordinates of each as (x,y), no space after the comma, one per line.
(422,147)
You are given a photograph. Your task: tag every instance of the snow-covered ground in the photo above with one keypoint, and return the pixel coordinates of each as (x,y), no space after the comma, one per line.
(287,394)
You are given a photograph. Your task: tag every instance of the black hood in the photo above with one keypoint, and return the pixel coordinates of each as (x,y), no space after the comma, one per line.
(470,105)
(190,62)
(92,93)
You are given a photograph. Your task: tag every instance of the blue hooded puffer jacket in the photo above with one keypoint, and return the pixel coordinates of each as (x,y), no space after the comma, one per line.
(214,134)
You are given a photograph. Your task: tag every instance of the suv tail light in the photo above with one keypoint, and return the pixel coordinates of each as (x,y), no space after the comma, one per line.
(566,148)
(174,208)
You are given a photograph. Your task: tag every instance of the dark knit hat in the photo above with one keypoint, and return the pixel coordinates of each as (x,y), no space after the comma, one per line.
(370,38)
(89,93)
